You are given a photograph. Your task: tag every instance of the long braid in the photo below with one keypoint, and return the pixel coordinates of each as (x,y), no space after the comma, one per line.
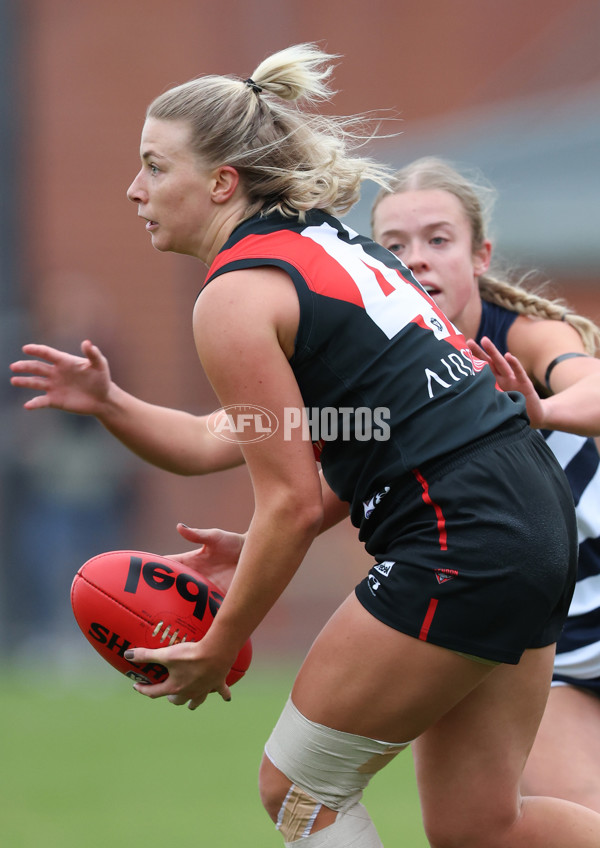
(518,298)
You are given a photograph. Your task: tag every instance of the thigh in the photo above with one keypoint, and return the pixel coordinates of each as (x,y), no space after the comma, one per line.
(468,764)
(565,759)
(363,677)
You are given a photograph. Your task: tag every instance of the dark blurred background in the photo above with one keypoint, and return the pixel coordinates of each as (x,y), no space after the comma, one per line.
(509,86)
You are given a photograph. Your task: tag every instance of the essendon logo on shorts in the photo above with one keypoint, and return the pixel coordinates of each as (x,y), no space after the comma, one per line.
(444,574)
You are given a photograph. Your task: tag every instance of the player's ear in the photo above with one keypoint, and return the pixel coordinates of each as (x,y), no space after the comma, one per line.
(225,181)
(482,258)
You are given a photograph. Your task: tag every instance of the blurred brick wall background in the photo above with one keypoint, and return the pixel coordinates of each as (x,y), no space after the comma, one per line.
(84,75)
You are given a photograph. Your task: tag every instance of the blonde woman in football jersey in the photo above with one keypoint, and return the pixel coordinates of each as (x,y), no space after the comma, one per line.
(459,501)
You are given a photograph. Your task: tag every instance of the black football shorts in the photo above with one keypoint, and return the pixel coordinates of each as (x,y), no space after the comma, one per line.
(477,552)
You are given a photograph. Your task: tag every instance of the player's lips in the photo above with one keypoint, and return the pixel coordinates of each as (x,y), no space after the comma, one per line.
(430,288)
(150,223)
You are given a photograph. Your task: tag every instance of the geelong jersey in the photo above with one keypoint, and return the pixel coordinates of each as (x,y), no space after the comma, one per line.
(578,649)
(370,342)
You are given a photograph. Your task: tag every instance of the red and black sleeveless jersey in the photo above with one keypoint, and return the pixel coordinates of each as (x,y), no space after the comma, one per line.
(387,380)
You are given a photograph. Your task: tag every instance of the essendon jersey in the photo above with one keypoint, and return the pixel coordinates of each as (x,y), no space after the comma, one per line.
(387,380)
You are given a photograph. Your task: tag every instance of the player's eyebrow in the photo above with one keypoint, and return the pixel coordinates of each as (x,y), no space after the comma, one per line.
(433,225)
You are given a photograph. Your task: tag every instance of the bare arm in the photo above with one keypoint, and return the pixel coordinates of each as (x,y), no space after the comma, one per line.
(171,439)
(245,357)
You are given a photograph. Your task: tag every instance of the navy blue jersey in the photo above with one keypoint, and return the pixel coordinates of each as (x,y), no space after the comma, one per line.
(370,338)
(578,649)
(495,323)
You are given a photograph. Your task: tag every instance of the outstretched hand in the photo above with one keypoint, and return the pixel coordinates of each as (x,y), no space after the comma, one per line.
(77,384)
(510,376)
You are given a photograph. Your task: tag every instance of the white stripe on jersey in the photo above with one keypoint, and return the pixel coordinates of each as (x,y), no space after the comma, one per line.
(583,663)
(588,513)
(391,312)
(565,446)
(585,597)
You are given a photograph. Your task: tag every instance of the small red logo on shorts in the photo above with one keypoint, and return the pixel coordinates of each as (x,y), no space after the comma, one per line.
(444,574)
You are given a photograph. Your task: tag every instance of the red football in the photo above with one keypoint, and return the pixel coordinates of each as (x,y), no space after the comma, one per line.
(131,599)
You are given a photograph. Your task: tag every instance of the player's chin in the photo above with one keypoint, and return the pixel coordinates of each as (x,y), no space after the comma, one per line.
(160,244)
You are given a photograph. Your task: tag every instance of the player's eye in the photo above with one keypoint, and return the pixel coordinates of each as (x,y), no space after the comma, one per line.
(395,247)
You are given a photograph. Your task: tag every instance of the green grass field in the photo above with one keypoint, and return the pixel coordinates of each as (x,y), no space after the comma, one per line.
(86,761)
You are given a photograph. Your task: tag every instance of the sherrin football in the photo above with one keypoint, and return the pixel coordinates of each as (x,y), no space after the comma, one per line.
(132,599)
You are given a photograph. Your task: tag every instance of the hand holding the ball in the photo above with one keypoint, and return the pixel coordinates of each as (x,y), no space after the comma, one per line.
(152,619)
(193,675)
(192,679)
(217,556)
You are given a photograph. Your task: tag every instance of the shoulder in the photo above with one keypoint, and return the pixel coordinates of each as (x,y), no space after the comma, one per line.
(528,332)
(248,303)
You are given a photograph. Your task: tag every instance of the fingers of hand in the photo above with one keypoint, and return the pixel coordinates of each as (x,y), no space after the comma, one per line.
(477,350)
(193,534)
(225,692)
(34,367)
(92,353)
(516,366)
(193,703)
(43,351)
(184,683)
(152,690)
(150,655)
(38,402)
(178,700)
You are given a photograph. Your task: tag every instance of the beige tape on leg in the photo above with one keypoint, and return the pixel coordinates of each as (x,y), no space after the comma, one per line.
(329,765)
(297,814)
(351,829)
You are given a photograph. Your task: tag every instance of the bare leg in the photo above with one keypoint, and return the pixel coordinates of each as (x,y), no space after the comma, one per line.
(365,678)
(476,726)
(469,764)
(565,759)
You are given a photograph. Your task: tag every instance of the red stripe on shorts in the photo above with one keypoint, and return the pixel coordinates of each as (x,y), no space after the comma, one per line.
(441,521)
(428,619)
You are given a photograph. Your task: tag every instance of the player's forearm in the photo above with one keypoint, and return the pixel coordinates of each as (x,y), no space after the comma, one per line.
(275,545)
(575,409)
(171,439)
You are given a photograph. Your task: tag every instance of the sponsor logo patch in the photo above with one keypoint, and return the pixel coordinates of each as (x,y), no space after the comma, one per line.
(442,575)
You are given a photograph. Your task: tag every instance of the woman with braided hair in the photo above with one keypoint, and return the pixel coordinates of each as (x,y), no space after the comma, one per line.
(434,218)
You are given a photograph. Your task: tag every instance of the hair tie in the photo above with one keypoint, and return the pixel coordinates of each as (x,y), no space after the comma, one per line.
(256,88)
